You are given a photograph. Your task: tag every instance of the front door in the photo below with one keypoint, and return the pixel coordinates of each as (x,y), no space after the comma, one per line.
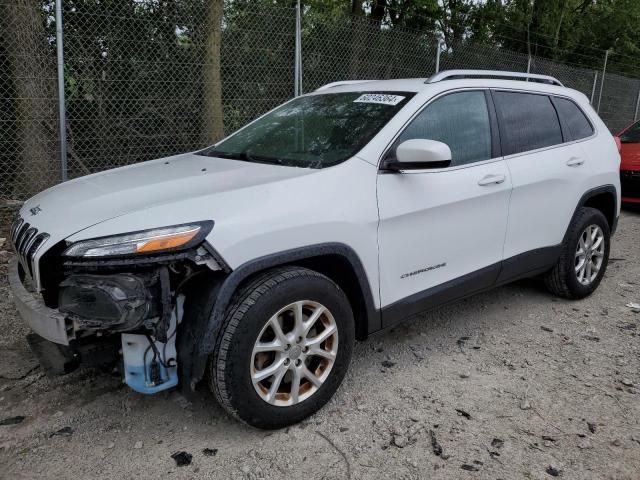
(441,231)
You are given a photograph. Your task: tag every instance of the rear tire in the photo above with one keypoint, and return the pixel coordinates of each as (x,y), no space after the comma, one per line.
(277,322)
(584,256)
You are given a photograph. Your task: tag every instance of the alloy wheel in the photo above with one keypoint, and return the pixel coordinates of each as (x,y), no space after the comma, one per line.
(589,254)
(294,353)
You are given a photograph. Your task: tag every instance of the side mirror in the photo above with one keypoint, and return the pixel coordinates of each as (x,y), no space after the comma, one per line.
(419,154)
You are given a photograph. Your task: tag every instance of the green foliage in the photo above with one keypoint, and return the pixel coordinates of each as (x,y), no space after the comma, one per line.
(138,73)
(575,31)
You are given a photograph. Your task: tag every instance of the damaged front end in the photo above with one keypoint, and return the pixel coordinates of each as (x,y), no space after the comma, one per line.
(137,303)
(119,300)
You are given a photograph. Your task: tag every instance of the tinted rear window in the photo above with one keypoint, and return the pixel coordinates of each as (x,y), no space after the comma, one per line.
(527,122)
(576,121)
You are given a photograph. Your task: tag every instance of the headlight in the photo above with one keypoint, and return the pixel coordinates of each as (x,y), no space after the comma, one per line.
(147,241)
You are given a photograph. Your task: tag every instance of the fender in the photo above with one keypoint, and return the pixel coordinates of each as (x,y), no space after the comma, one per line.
(231,283)
(592,193)
(540,260)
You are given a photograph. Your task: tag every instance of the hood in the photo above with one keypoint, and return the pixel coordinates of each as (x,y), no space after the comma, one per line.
(78,204)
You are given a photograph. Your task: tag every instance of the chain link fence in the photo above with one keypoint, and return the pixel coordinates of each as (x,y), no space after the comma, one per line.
(353,48)
(28,105)
(151,79)
(145,79)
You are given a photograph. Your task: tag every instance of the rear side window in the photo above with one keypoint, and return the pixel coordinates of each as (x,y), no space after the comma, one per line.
(461,120)
(574,119)
(527,122)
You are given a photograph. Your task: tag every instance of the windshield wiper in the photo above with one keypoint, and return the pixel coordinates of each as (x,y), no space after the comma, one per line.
(244,156)
(261,159)
(231,156)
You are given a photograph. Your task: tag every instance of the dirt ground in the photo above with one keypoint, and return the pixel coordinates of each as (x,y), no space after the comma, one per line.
(509,384)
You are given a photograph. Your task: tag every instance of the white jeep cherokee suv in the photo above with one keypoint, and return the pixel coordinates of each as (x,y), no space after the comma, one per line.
(342,212)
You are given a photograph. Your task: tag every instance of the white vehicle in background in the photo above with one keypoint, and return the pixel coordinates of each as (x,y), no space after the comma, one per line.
(337,214)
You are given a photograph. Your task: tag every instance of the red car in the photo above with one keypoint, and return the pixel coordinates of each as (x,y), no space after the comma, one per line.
(630,165)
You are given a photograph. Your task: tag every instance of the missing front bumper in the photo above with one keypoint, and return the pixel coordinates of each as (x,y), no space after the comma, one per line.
(46,322)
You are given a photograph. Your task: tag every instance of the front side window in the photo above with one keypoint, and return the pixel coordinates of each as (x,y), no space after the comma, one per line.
(314,131)
(527,122)
(461,120)
(631,134)
(577,123)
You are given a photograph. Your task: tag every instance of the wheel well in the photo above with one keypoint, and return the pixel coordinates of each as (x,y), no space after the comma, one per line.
(606,203)
(340,270)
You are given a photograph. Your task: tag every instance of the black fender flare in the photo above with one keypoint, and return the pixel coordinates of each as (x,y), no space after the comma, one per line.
(225,291)
(611,189)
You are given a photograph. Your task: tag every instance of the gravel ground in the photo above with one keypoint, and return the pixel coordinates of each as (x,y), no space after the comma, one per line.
(509,384)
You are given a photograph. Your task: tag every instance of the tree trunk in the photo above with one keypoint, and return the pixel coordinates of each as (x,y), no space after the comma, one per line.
(378,10)
(357,23)
(556,37)
(213,114)
(33,72)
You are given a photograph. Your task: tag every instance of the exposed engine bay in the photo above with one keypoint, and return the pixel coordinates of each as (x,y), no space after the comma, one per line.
(127,315)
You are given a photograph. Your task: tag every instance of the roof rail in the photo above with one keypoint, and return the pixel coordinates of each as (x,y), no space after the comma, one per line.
(458,74)
(339,84)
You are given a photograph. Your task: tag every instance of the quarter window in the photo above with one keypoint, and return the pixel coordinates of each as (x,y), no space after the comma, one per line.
(527,122)
(578,125)
(461,120)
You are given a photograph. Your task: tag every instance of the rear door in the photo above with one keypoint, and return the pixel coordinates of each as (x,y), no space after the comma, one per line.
(549,169)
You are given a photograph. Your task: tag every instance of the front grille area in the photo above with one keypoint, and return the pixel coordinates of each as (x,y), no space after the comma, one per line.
(26,241)
(630,182)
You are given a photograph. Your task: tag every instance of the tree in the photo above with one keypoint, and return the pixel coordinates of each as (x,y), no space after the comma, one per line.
(32,69)
(214,118)
(454,19)
(575,31)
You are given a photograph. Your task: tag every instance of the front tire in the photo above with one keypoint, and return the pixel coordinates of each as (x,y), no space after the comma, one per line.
(284,348)
(584,257)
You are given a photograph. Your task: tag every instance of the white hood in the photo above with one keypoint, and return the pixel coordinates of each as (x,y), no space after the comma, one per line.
(257,209)
(78,204)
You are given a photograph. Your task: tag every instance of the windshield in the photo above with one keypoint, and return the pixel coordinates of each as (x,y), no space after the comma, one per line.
(315,131)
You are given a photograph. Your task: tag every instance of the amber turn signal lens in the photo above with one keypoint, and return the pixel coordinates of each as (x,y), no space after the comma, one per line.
(165,243)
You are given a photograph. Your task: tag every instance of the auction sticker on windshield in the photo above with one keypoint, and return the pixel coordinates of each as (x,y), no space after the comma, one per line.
(380,98)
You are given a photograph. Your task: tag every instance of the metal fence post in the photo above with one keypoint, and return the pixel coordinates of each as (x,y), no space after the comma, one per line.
(529,66)
(593,89)
(300,70)
(298,53)
(61,97)
(635,115)
(438,48)
(604,71)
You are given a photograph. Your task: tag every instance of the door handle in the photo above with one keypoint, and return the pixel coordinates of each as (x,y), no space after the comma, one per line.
(491,180)
(575,161)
